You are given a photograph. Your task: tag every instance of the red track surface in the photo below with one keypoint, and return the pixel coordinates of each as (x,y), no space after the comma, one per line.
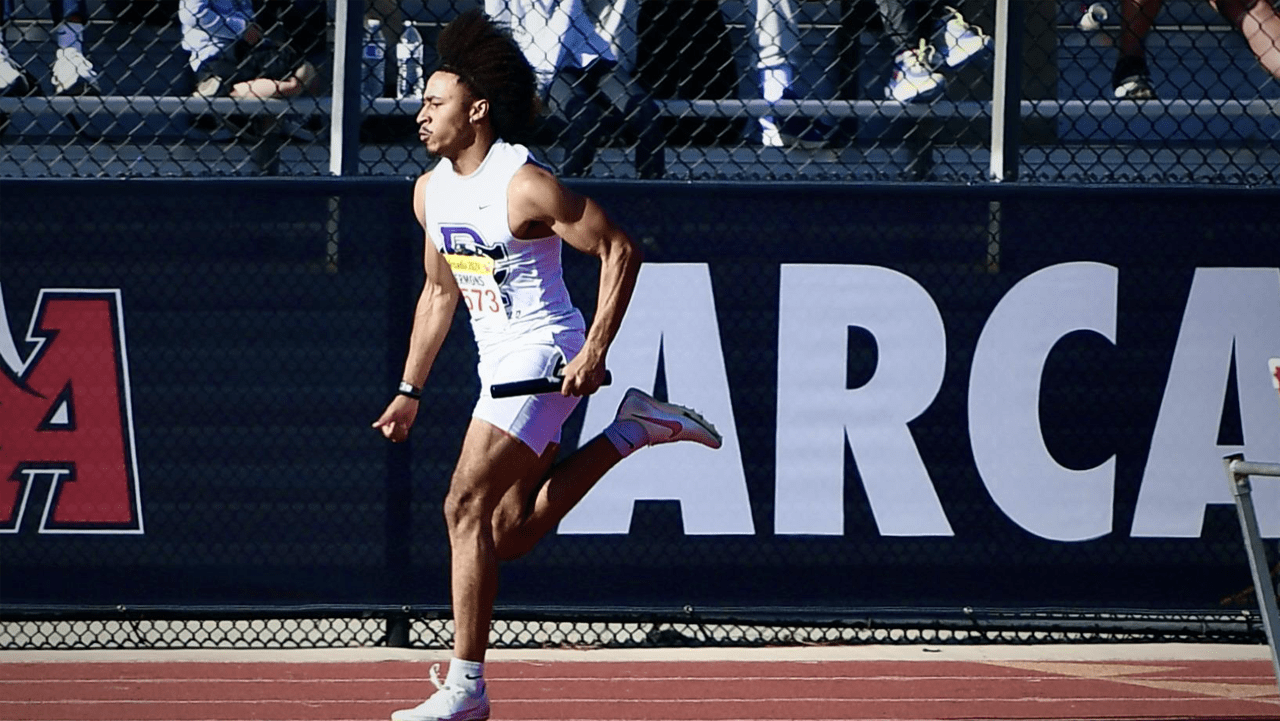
(650,690)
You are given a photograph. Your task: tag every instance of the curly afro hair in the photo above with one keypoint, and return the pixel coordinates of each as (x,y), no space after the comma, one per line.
(488,61)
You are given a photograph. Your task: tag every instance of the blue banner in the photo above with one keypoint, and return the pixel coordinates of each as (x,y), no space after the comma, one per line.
(931,397)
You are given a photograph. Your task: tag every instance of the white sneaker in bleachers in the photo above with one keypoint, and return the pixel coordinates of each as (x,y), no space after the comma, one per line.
(73,74)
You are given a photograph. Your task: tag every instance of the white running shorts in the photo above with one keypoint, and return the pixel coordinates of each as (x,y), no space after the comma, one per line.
(535,420)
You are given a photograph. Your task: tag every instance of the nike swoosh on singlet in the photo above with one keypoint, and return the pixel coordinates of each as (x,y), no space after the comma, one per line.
(673,426)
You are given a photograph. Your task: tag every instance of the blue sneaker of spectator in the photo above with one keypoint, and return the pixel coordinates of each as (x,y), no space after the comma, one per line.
(960,41)
(914,78)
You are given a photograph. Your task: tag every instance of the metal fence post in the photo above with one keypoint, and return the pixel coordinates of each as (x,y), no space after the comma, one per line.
(344,123)
(398,630)
(402,295)
(1238,472)
(345,112)
(1006,90)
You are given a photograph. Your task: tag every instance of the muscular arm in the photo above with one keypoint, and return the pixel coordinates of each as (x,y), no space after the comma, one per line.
(431,321)
(535,198)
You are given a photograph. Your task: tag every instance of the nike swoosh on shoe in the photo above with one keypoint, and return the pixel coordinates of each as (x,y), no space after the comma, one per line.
(673,426)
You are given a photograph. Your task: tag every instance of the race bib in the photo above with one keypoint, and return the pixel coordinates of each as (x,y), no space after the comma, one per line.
(480,291)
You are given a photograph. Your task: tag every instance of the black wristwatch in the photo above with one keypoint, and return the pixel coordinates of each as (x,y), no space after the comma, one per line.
(408,389)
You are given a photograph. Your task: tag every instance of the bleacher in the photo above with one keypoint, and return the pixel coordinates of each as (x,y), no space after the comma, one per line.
(1217,120)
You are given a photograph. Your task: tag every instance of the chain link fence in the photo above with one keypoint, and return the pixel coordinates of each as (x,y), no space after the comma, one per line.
(701,89)
(334,628)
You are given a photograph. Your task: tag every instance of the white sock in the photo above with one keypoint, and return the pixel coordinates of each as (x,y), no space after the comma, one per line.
(627,436)
(774,82)
(468,675)
(69,35)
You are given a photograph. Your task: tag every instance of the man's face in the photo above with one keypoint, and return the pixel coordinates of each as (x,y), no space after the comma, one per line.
(444,122)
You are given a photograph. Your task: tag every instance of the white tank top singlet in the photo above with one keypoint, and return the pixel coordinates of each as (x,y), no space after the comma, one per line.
(514,289)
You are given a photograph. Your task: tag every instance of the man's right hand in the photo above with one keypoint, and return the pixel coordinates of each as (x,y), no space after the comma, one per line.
(397,419)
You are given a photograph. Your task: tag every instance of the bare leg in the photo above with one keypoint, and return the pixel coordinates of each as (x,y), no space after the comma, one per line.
(294,86)
(1260,26)
(1136,19)
(1131,78)
(523,497)
(534,506)
(503,499)
(491,462)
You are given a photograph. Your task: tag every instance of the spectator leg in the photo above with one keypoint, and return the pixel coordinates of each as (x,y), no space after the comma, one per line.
(1260,25)
(639,112)
(900,24)
(572,94)
(619,23)
(775,34)
(1136,19)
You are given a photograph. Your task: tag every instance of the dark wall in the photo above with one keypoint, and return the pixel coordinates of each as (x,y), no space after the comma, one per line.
(265,325)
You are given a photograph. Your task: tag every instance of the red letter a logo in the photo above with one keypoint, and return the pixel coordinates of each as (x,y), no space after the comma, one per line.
(65,415)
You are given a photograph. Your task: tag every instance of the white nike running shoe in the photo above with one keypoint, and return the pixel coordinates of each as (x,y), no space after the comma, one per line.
(666,422)
(448,703)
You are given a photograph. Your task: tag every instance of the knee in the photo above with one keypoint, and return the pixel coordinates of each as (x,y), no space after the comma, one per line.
(463,509)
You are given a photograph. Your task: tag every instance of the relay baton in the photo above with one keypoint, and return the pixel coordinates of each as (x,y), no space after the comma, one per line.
(534,386)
